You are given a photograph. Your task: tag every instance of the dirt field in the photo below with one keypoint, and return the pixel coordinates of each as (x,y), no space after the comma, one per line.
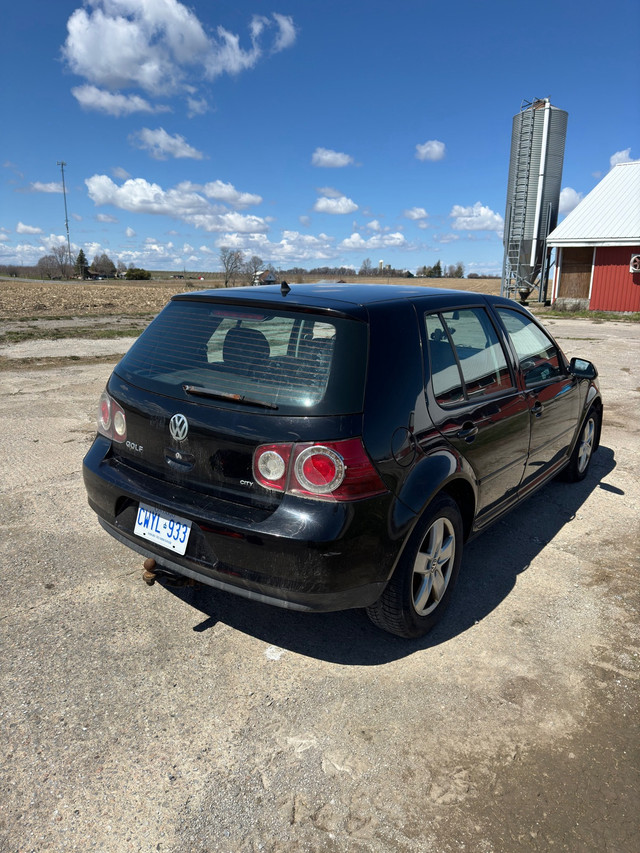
(24,300)
(144,719)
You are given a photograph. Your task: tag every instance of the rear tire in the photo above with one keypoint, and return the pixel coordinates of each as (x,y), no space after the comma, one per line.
(421,586)
(586,444)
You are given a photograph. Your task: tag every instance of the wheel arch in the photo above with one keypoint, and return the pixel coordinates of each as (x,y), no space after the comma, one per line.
(596,403)
(458,489)
(461,492)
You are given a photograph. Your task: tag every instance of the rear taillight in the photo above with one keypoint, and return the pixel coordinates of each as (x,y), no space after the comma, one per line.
(319,469)
(337,470)
(112,421)
(270,465)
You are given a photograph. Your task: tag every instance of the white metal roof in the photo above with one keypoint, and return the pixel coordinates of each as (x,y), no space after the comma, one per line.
(608,216)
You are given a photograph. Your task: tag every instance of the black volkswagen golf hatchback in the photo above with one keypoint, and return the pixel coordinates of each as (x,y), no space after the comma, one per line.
(332,446)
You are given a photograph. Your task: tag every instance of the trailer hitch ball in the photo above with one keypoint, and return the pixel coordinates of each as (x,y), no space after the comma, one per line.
(149,574)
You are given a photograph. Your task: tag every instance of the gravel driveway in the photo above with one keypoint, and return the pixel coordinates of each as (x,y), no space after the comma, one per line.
(140,718)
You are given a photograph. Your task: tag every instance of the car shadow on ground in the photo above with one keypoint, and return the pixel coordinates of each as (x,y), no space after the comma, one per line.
(490,567)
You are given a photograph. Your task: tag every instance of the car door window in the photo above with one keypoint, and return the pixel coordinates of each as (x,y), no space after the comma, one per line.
(466,358)
(538,356)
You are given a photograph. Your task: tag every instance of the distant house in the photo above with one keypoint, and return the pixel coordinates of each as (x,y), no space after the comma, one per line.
(598,246)
(264,277)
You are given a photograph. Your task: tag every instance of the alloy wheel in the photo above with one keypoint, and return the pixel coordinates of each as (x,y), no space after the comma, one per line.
(433,566)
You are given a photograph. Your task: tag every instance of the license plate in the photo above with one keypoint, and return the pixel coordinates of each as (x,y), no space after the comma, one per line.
(163,528)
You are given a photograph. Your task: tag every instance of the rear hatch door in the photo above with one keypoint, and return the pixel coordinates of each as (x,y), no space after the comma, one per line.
(208,382)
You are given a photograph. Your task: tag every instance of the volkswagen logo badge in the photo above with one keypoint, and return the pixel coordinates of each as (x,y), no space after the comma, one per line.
(178,427)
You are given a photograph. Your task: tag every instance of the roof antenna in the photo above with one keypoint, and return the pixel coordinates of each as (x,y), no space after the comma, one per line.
(284,288)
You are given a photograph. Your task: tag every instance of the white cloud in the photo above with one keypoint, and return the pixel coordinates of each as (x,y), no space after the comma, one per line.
(415,213)
(234,222)
(21,228)
(105,217)
(12,166)
(55,239)
(476,218)
(374,225)
(182,202)
(433,149)
(379,241)
(120,173)
(228,194)
(133,43)
(159,46)
(113,103)
(4,238)
(92,249)
(327,159)
(569,199)
(130,232)
(330,192)
(161,145)
(286,32)
(304,221)
(153,254)
(337,206)
(52,187)
(293,248)
(620,157)
(197,107)
(77,217)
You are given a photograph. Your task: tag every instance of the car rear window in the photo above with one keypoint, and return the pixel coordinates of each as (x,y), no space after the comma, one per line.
(230,355)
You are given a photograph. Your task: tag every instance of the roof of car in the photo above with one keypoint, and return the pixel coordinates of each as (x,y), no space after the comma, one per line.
(328,294)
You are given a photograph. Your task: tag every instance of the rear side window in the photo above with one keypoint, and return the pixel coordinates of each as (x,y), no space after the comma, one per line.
(465,355)
(285,361)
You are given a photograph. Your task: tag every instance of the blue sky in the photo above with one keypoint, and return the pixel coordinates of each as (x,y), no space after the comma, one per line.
(308,132)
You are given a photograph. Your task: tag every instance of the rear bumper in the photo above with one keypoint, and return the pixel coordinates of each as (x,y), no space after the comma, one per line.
(304,555)
(316,602)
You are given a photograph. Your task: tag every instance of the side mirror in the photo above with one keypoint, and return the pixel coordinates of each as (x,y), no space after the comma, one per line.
(582,368)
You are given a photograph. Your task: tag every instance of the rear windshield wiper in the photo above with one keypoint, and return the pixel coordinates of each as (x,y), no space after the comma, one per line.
(200,391)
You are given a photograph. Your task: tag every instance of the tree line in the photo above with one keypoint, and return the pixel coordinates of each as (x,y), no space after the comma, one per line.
(237,270)
(56,265)
(438,271)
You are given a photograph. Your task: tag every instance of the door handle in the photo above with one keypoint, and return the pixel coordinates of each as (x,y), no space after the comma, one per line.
(468,432)
(537,409)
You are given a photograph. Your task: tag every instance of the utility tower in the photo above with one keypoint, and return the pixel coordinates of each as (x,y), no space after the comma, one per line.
(62,164)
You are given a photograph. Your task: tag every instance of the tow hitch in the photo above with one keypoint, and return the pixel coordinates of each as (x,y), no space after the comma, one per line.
(153,572)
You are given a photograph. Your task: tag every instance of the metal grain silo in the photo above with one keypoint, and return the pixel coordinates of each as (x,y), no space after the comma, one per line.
(533,195)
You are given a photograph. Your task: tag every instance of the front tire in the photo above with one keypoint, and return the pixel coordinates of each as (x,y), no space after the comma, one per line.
(421,586)
(580,459)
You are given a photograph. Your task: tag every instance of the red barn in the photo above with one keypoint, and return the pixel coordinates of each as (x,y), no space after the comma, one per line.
(598,246)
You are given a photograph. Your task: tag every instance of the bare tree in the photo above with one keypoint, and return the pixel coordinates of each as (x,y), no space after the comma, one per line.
(252,267)
(366,267)
(232,263)
(61,254)
(455,270)
(48,266)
